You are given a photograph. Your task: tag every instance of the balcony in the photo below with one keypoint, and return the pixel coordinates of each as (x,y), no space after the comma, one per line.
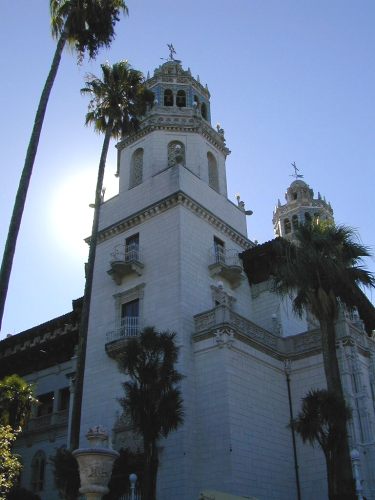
(129,327)
(125,260)
(227,265)
(47,422)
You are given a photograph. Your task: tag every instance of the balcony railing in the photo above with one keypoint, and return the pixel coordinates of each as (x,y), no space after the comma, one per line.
(125,260)
(128,327)
(59,418)
(226,264)
(126,253)
(220,255)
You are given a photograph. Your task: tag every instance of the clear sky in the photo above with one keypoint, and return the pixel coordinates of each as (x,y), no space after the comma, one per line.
(290,80)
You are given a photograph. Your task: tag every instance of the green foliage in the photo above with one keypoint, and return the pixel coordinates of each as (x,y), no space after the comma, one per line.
(322,421)
(66,474)
(323,265)
(88,24)
(127,463)
(10,465)
(152,401)
(119,98)
(16,401)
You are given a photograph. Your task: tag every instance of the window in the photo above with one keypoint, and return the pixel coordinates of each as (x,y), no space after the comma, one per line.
(45,406)
(181,99)
(287,226)
(213,175)
(132,248)
(196,101)
(38,465)
(64,398)
(219,251)
(136,168)
(204,110)
(168,97)
(129,318)
(176,154)
(295,222)
(307,217)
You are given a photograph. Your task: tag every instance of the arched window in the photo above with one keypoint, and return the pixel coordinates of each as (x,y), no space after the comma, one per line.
(176,154)
(213,174)
(204,110)
(38,465)
(307,217)
(168,97)
(136,168)
(196,101)
(181,99)
(295,222)
(287,226)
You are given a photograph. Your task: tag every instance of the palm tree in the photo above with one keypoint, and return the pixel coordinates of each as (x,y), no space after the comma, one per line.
(323,420)
(117,103)
(86,25)
(152,401)
(320,271)
(16,402)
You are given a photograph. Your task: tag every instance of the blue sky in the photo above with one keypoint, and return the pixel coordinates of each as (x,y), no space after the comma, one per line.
(289,81)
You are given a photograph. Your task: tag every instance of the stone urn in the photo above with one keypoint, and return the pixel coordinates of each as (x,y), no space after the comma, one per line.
(95,464)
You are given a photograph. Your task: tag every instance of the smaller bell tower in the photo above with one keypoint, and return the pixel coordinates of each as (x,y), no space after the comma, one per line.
(300,207)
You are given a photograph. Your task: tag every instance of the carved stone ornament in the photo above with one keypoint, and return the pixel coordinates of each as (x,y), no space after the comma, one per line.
(224,337)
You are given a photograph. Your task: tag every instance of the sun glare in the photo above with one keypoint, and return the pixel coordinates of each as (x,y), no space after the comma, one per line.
(71,213)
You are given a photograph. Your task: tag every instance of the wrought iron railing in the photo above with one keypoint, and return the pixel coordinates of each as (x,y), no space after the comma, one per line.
(129,326)
(126,253)
(221,255)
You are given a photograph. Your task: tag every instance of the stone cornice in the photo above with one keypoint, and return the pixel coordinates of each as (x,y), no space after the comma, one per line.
(171,201)
(176,124)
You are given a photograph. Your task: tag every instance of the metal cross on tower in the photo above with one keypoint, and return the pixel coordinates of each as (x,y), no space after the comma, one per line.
(171,51)
(297,176)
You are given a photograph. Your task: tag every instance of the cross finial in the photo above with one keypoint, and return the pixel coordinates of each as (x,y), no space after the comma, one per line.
(171,51)
(297,176)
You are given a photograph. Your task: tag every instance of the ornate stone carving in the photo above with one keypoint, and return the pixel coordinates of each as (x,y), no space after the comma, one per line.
(176,154)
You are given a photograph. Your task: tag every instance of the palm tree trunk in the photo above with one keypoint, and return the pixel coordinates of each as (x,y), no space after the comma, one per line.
(343,482)
(19,204)
(83,329)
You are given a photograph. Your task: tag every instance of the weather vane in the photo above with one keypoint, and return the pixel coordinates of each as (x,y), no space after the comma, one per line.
(171,51)
(297,176)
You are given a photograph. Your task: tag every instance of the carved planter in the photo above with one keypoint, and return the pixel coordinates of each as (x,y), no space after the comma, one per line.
(95,464)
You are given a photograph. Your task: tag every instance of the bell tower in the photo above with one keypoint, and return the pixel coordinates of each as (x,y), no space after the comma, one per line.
(300,207)
(168,250)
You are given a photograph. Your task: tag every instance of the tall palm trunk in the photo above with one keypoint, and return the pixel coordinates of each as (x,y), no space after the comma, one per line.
(341,483)
(150,470)
(19,204)
(83,329)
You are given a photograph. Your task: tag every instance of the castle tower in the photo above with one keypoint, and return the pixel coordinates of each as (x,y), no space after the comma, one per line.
(300,207)
(168,251)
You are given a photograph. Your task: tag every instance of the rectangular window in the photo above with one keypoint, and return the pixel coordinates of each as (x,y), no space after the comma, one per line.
(132,248)
(45,406)
(130,318)
(64,398)
(219,251)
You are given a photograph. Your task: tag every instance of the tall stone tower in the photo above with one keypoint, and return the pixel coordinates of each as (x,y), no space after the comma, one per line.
(168,251)
(300,207)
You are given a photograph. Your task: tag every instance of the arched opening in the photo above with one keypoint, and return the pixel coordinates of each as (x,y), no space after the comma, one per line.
(176,153)
(287,226)
(196,101)
(168,97)
(181,99)
(136,168)
(307,217)
(204,110)
(38,465)
(213,174)
(295,222)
